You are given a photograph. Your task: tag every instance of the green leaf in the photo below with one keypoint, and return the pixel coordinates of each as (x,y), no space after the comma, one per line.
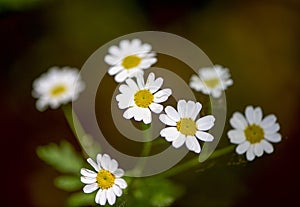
(81,199)
(62,157)
(68,183)
(154,192)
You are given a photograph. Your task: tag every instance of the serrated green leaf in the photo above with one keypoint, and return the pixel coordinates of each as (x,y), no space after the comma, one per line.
(154,192)
(68,183)
(81,199)
(62,157)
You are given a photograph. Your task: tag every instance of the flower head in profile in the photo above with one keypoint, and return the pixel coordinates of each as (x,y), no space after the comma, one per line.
(107,179)
(184,128)
(129,59)
(211,80)
(253,133)
(57,87)
(140,98)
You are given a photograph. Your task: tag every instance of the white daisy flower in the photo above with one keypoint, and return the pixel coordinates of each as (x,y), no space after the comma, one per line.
(183,125)
(140,99)
(107,179)
(252,133)
(129,59)
(56,87)
(211,81)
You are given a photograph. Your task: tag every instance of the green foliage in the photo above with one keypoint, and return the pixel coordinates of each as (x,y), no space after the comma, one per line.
(68,183)
(81,199)
(62,157)
(154,192)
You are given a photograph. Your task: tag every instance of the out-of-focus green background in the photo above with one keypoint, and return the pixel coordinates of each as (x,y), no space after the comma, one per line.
(257,40)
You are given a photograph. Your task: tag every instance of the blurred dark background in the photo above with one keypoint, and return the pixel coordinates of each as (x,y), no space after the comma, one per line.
(257,40)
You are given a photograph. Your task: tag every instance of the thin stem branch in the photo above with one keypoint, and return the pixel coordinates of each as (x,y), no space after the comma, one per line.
(194,162)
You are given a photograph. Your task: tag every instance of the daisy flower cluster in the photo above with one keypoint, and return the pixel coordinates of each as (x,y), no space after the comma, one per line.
(141,96)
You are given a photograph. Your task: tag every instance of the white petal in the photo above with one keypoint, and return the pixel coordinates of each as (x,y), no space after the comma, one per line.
(258,150)
(111,60)
(272,129)
(132,84)
(120,77)
(190,107)
(257,115)
(140,81)
(166,120)
(90,188)
(97,197)
(88,180)
(111,197)
(102,197)
(276,137)
(98,159)
(204,136)
(238,121)
(129,113)
(88,173)
(156,108)
(197,110)
(121,183)
(93,164)
(181,107)
(268,121)
(147,117)
(242,148)
(249,114)
(172,113)
(117,190)
(170,133)
(162,95)
(179,141)
(250,154)
(113,165)
(114,70)
(216,93)
(155,85)
(118,172)
(236,136)
(192,144)
(205,123)
(150,79)
(114,50)
(268,148)
(105,161)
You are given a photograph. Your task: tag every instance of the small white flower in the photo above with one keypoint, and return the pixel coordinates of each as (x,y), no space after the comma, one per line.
(140,99)
(183,127)
(253,134)
(107,179)
(129,59)
(56,87)
(211,80)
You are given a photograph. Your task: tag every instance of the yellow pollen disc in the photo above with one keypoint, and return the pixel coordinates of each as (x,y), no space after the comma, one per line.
(186,126)
(211,83)
(254,133)
(105,179)
(131,61)
(57,90)
(143,98)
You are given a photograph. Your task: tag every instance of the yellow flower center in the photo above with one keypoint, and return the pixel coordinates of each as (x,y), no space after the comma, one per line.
(254,133)
(186,126)
(58,90)
(105,179)
(143,98)
(131,61)
(211,83)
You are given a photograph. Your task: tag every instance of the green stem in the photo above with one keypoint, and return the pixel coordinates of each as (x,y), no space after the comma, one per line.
(194,162)
(86,142)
